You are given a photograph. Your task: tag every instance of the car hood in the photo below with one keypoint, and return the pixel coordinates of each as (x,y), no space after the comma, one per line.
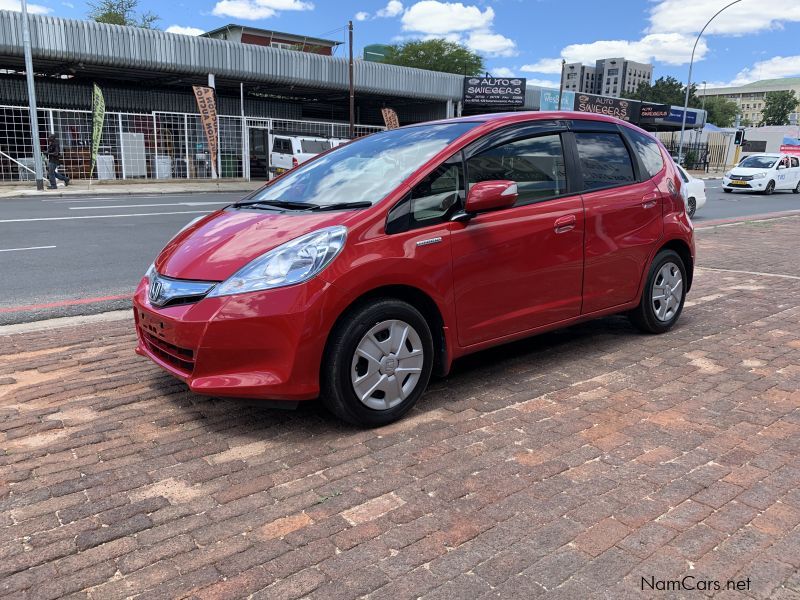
(747,171)
(218,245)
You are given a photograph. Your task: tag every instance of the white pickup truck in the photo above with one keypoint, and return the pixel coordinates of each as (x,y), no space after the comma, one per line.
(289,151)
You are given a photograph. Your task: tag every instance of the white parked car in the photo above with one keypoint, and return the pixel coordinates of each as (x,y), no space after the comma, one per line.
(289,151)
(694,194)
(764,173)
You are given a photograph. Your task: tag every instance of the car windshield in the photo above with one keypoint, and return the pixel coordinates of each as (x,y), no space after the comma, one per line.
(364,170)
(758,162)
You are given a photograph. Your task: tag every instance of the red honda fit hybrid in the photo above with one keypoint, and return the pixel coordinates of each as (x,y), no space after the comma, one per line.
(364,271)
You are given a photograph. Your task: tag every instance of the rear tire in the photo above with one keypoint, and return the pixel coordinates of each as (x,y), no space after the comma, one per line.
(796,189)
(692,207)
(663,295)
(377,363)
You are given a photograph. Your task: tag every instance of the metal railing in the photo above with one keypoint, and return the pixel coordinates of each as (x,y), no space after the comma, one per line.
(158,145)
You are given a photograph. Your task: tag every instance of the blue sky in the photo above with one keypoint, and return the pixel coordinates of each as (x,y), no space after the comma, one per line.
(752,40)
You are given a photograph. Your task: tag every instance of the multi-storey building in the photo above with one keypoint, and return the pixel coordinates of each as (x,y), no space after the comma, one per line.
(608,77)
(750,98)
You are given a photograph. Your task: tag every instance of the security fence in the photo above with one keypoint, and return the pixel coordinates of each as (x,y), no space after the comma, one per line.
(159,145)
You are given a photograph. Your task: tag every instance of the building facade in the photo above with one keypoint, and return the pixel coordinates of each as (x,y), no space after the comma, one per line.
(750,98)
(615,77)
(273,39)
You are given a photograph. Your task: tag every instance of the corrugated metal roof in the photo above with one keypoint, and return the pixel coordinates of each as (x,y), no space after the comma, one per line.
(72,41)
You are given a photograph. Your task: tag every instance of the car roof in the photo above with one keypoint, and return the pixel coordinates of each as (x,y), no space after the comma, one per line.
(770,154)
(528,115)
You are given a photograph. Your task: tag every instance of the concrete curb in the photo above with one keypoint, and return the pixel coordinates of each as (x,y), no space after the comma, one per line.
(747,219)
(58,322)
(12,195)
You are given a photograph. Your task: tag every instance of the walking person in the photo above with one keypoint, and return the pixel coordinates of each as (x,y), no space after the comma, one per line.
(53,160)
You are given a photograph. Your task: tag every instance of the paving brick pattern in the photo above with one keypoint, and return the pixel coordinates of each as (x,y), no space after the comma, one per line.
(572,465)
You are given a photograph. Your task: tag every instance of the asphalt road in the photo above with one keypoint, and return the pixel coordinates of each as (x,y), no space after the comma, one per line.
(69,256)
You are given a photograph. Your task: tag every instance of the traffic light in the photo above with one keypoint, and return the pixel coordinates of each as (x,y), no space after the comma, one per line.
(738,140)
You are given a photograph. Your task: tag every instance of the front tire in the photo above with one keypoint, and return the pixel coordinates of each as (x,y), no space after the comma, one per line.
(770,188)
(727,190)
(377,363)
(692,207)
(663,295)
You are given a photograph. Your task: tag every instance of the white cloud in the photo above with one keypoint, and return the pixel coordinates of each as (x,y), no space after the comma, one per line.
(490,43)
(689,16)
(392,9)
(433,17)
(257,9)
(362,16)
(184,30)
(546,65)
(15,5)
(502,72)
(773,68)
(669,48)
(543,83)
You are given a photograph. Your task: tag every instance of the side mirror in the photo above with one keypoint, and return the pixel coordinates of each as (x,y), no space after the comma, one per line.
(491,195)
(781,166)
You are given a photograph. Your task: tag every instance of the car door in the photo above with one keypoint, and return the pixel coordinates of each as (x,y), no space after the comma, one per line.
(785,175)
(623,211)
(519,268)
(281,155)
(794,171)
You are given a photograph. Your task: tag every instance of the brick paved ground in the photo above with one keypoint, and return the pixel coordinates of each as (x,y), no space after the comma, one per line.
(571,465)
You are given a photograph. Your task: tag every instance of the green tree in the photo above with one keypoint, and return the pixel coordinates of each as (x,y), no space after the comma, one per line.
(777,106)
(436,55)
(721,111)
(121,12)
(666,90)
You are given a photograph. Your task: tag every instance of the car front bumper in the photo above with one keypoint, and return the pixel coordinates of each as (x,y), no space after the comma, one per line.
(753,184)
(257,345)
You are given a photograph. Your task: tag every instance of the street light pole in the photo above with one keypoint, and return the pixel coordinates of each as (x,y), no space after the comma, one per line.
(561,84)
(352,83)
(689,82)
(37,151)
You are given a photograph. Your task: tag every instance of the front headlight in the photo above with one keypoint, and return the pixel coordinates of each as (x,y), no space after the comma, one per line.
(293,262)
(151,270)
(760,175)
(728,174)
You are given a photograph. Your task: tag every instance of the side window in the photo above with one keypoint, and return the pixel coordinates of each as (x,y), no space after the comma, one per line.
(648,150)
(433,200)
(605,161)
(281,145)
(433,197)
(795,162)
(536,164)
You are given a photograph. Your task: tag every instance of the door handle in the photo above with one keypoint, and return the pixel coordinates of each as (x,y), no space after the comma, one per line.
(649,200)
(564,224)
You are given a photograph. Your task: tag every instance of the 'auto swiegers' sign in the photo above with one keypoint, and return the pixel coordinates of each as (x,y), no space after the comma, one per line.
(494,91)
(627,110)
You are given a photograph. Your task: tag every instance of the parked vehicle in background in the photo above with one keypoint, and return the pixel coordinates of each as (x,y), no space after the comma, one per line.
(362,273)
(764,173)
(695,191)
(289,151)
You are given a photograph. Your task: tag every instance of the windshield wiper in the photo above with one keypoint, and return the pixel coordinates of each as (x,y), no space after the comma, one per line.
(280,204)
(344,205)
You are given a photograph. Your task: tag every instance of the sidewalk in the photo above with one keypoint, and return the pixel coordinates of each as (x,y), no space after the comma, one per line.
(110,188)
(588,464)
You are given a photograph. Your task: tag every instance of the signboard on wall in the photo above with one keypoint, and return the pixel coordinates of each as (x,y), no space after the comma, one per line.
(650,112)
(676,116)
(207,106)
(494,91)
(390,118)
(627,110)
(549,100)
(789,149)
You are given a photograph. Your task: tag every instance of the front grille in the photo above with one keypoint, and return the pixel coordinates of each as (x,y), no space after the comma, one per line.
(175,356)
(742,177)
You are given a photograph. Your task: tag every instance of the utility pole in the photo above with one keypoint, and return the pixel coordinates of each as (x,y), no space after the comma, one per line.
(352,86)
(561,85)
(37,151)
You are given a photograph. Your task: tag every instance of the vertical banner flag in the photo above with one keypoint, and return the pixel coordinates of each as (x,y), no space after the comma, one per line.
(207,105)
(98,116)
(390,118)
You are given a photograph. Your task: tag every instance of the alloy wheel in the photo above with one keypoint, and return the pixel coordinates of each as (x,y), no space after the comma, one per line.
(692,207)
(387,364)
(667,292)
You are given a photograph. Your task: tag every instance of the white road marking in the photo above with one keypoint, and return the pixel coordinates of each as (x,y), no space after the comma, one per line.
(147,205)
(30,248)
(758,273)
(156,214)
